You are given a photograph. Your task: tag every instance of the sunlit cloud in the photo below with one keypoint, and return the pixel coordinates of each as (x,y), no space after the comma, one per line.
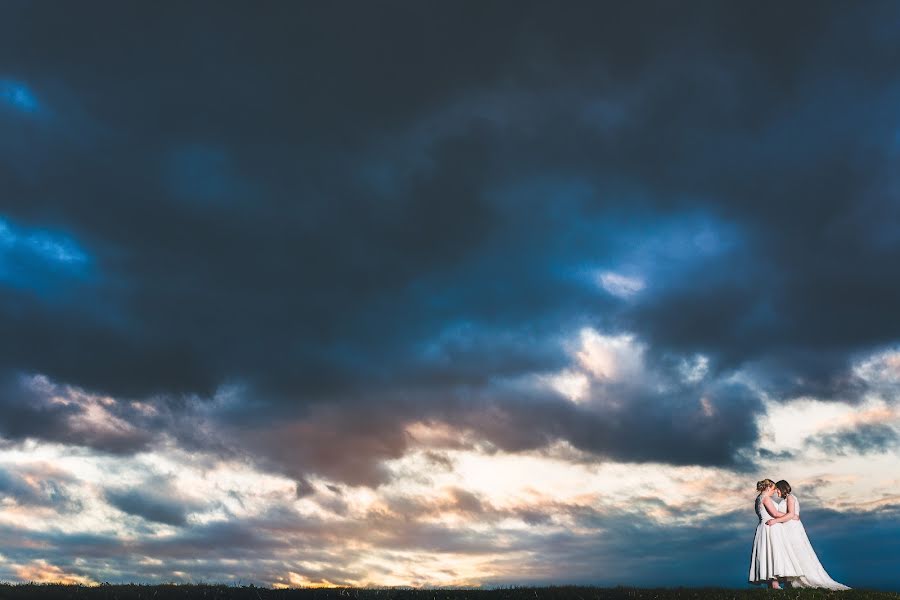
(573,385)
(881,369)
(792,424)
(454,525)
(695,369)
(40,571)
(446,497)
(609,357)
(812,426)
(620,285)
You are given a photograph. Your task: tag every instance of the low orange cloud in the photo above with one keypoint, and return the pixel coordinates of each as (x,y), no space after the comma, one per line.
(40,571)
(873,413)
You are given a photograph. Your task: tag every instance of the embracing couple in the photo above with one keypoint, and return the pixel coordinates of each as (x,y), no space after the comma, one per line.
(781,549)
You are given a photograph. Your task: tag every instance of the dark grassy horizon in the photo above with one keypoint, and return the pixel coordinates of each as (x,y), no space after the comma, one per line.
(206,591)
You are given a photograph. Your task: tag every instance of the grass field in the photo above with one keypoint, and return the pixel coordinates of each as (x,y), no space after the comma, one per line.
(223,592)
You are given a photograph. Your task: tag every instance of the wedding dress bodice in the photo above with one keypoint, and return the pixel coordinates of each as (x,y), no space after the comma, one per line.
(783,507)
(761,511)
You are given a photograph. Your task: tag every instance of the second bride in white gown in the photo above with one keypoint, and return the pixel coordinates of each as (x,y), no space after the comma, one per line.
(813,574)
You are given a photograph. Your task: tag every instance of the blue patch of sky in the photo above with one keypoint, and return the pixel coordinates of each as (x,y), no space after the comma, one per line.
(379,176)
(17,95)
(688,237)
(586,228)
(659,251)
(38,258)
(201,173)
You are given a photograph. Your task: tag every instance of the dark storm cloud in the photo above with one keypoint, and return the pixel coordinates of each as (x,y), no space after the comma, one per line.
(157,499)
(703,424)
(30,487)
(26,412)
(30,412)
(767,454)
(631,425)
(150,506)
(865,439)
(392,219)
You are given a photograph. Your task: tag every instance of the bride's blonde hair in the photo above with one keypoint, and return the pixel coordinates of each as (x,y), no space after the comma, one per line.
(763,485)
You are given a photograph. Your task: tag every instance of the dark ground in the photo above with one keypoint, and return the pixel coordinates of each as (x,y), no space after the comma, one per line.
(222,592)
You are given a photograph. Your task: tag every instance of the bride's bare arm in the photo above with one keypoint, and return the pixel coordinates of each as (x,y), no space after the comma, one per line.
(789,515)
(770,507)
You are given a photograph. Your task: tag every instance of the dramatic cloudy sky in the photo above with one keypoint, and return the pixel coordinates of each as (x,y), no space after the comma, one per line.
(458,293)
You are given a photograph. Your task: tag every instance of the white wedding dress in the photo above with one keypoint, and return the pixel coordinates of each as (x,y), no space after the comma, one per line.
(772,557)
(801,551)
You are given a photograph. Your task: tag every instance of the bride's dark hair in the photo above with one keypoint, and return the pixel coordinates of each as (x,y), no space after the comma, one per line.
(784,486)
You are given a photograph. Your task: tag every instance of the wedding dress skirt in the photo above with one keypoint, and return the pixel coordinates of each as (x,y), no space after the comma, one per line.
(813,573)
(772,557)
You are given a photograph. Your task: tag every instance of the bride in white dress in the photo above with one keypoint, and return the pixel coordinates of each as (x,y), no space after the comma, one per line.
(813,573)
(772,558)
